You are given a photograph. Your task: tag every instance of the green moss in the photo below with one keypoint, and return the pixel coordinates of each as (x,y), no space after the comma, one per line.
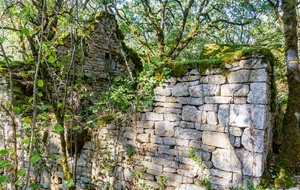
(133,56)
(213,56)
(284,180)
(106,119)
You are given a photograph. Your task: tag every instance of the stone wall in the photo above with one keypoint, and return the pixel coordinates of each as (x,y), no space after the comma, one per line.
(208,127)
(202,129)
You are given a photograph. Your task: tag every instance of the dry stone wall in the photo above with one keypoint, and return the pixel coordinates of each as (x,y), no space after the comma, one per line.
(208,126)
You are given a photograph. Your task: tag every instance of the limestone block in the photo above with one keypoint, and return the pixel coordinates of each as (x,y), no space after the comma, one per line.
(222,182)
(189,78)
(252,163)
(174,178)
(145,124)
(165,162)
(187,161)
(167,110)
(218,173)
(182,142)
(259,116)
(217,100)
(239,100)
(187,180)
(168,105)
(180,89)
(210,89)
(188,134)
(143,138)
(258,93)
(236,131)
(212,118)
(169,141)
(172,117)
(156,139)
(190,187)
(187,173)
(162,91)
(89,145)
(150,116)
(203,155)
(163,150)
(129,135)
(190,101)
(196,91)
(195,144)
(193,83)
(190,113)
(213,71)
(159,98)
(81,162)
(164,128)
(170,170)
(259,75)
(240,115)
(237,180)
(152,166)
(209,107)
(227,160)
(194,72)
(253,140)
(223,115)
(216,139)
(208,127)
(234,90)
(213,79)
(240,76)
(186,125)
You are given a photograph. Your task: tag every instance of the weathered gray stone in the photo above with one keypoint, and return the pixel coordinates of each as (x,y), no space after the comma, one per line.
(188,78)
(212,118)
(190,101)
(162,91)
(145,124)
(259,116)
(182,142)
(240,115)
(240,76)
(174,178)
(187,173)
(195,144)
(203,155)
(227,160)
(213,79)
(234,90)
(223,115)
(143,138)
(208,127)
(164,128)
(253,164)
(258,93)
(210,89)
(190,187)
(165,99)
(216,139)
(218,173)
(180,89)
(169,141)
(172,117)
(209,107)
(259,75)
(187,125)
(191,113)
(253,140)
(188,134)
(196,91)
(152,166)
(150,116)
(236,131)
(168,105)
(218,100)
(167,110)
(165,162)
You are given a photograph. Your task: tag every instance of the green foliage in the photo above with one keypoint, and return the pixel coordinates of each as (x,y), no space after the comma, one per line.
(205,182)
(162,181)
(192,155)
(130,151)
(69,183)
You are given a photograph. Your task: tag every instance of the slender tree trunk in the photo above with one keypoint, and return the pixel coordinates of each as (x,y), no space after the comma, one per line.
(291,142)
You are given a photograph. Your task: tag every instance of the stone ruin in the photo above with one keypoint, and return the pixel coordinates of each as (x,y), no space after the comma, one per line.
(202,128)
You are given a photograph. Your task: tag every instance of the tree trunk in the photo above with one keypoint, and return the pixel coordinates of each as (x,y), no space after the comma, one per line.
(290,154)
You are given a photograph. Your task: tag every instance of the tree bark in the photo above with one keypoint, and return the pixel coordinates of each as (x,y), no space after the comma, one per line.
(291,142)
